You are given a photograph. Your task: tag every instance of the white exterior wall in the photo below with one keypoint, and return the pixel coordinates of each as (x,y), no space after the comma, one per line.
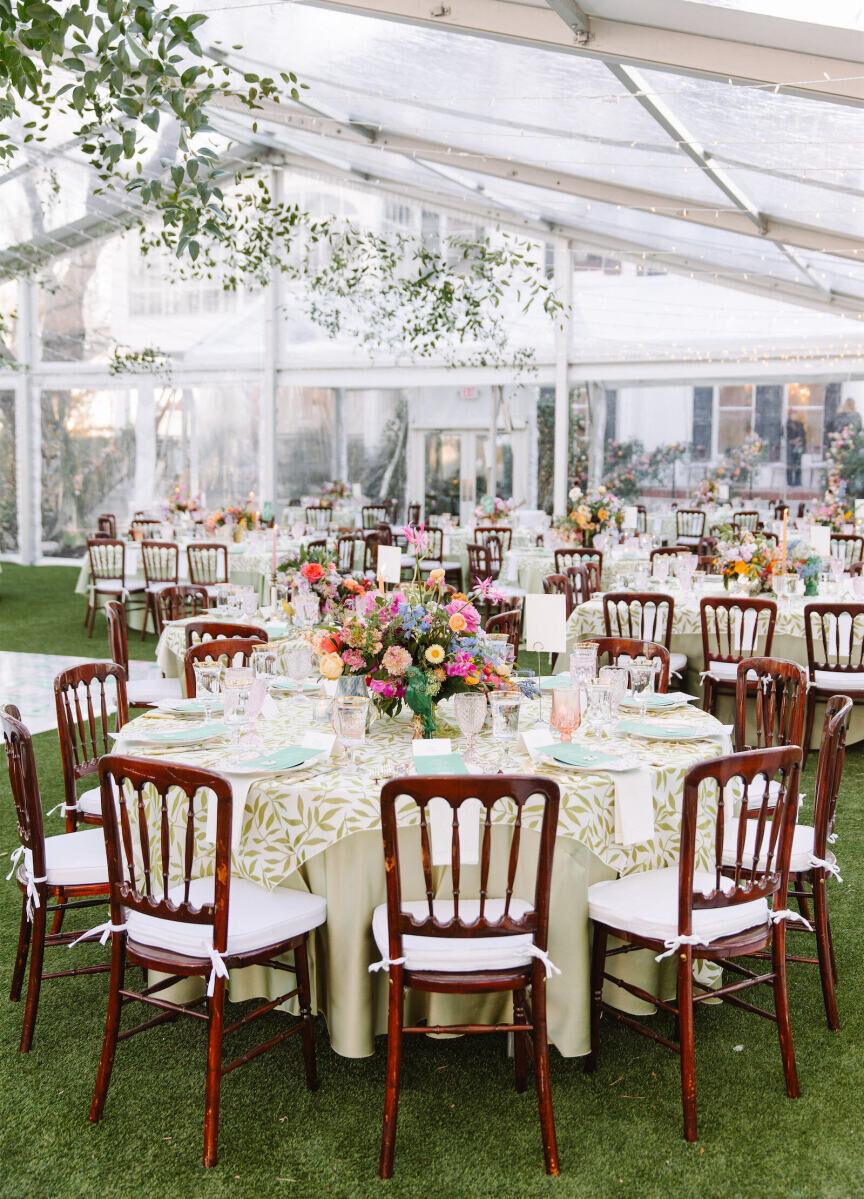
(656,415)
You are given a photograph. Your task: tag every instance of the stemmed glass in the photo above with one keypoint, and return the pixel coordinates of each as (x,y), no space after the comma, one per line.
(470,710)
(350,713)
(505,722)
(661,568)
(208,684)
(615,677)
(566,711)
(837,566)
(298,663)
(642,684)
(237,714)
(599,709)
(264,662)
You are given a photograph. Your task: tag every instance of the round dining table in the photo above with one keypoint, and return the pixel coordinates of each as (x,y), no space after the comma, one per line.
(317,828)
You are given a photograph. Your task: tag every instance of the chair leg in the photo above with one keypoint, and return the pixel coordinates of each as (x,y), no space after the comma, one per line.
(687,1042)
(216,1005)
(834,974)
(541,1068)
(112,1027)
(148,608)
(395,1020)
(797,884)
(301,961)
(825,948)
(21,953)
(598,965)
(34,980)
(781,1005)
(708,696)
(808,726)
(520,1054)
(57,919)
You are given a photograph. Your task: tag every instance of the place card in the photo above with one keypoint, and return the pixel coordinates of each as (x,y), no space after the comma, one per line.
(722,491)
(631,516)
(820,539)
(389,563)
(546,623)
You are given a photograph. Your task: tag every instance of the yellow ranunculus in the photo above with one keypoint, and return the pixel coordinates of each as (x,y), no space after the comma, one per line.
(435,653)
(435,576)
(331,666)
(457,623)
(602,513)
(471,679)
(740,568)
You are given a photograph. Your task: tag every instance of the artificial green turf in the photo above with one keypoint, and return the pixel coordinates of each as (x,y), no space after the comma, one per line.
(463,1130)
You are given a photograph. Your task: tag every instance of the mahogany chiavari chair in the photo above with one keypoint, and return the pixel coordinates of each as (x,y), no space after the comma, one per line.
(834,635)
(85,697)
(578,556)
(172,913)
(733,629)
(435,559)
(140,693)
(504,533)
(236,651)
(182,601)
(560,585)
(812,862)
(345,547)
(778,690)
(716,915)
(374,514)
(107,523)
(848,546)
(371,541)
(689,526)
(457,944)
(161,561)
(584,580)
(210,630)
(318,516)
(55,875)
(414,514)
(142,529)
(856,569)
(621,650)
(747,519)
(208,564)
(509,622)
(108,576)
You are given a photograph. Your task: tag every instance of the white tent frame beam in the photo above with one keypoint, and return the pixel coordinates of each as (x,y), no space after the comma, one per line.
(732,220)
(822,77)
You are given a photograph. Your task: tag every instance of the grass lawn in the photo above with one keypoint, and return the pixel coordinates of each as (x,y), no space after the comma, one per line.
(463,1129)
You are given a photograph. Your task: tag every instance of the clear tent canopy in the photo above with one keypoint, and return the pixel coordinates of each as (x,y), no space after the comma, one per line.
(699,162)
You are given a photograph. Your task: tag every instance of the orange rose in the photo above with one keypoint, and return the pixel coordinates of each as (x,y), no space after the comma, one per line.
(457,622)
(312,571)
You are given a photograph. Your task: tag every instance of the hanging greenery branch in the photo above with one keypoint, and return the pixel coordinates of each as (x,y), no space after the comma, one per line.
(148,361)
(391,292)
(119,67)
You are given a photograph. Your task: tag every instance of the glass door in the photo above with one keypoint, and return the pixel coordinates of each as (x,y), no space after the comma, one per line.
(456,472)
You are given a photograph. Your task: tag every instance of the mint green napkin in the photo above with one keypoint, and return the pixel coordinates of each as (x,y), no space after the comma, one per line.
(668,732)
(554,682)
(195,732)
(282,759)
(440,764)
(577,755)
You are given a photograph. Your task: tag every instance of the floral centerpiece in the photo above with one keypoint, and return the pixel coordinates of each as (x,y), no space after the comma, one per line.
(314,570)
(834,509)
(707,493)
(493,508)
(748,560)
(242,516)
(334,491)
(590,512)
(413,648)
(180,504)
(804,561)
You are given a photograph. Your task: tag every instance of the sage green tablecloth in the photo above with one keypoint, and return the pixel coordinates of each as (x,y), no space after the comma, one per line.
(586,620)
(319,830)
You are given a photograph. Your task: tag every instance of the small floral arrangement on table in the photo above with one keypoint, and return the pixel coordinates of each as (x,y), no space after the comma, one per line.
(590,512)
(413,648)
(493,508)
(707,493)
(748,559)
(804,561)
(242,516)
(180,504)
(334,491)
(834,509)
(318,572)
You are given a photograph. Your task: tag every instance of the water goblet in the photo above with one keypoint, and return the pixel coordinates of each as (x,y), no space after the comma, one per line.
(566,711)
(349,713)
(208,684)
(505,722)
(641,684)
(661,568)
(825,585)
(616,677)
(837,567)
(234,604)
(470,711)
(264,662)
(599,713)
(237,714)
(298,664)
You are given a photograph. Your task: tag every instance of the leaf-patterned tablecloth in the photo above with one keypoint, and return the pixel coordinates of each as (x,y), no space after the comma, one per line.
(293,817)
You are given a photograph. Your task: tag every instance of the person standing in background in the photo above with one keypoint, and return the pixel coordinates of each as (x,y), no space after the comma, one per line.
(795,442)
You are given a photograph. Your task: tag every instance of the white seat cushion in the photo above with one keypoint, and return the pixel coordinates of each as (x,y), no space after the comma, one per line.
(90,802)
(256,918)
(839,683)
(647,904)
(76,858)
(151,691)
(688,539)
(155,587)
(756,790)
(727,672)
(458,953)
(677,662)
(802,847)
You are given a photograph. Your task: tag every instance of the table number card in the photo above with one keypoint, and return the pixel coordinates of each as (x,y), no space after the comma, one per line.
(546,623)
(389,563)
(722,491)
(820,539)
(630,516)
